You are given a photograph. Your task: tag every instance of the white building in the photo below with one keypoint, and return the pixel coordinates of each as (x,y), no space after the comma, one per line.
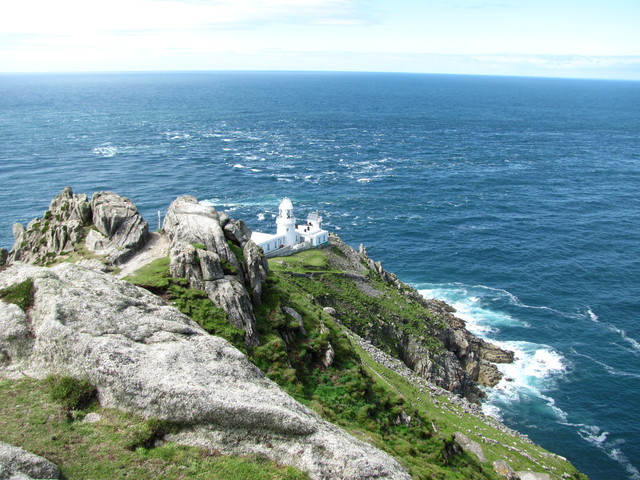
(289,233)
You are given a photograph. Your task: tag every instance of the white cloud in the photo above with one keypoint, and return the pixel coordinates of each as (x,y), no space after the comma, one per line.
(65,17)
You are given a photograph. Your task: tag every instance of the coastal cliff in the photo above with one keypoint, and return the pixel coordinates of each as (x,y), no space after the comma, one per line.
(322,361)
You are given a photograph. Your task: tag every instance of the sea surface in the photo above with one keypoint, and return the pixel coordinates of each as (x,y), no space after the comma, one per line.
(514,199)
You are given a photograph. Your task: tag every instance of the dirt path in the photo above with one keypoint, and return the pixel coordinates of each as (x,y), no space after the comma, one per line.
(156,247)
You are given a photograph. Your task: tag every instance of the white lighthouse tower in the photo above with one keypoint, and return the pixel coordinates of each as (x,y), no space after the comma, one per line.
(286,222)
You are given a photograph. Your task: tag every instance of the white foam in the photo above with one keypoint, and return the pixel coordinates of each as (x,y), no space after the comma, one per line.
(533,365)
(617,455)
(592,434)
(469,306)
(106,151)
(536,367)
(612,370)
(599,438)
(632,342)
(592,315)
(176,135)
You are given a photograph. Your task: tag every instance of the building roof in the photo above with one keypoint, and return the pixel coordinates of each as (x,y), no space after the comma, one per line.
(259,237)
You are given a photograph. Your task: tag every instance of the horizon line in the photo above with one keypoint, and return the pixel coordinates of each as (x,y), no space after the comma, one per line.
(178,71)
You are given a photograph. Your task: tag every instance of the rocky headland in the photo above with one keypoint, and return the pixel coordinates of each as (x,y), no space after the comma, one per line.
(300,323)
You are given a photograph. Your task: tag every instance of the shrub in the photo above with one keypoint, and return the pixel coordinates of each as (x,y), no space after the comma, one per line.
(147,433)
(20,294)
(72,393)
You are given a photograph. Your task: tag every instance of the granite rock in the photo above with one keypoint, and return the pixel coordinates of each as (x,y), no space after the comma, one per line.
(146,357)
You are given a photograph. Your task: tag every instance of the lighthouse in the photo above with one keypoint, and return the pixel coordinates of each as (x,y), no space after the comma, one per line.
(286,222)
(291,237)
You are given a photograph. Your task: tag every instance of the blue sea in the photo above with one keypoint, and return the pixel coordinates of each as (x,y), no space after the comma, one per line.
(517,200)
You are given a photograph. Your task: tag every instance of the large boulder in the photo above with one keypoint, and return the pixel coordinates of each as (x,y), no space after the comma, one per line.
(118,219)
(196,265)
(191,222)
(146,357)
(16,463)
(237,231)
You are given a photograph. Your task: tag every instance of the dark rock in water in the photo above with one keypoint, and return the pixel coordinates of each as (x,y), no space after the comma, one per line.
(18,464)
(4,255)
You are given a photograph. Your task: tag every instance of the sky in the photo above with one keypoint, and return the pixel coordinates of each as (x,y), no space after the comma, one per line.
(551,38)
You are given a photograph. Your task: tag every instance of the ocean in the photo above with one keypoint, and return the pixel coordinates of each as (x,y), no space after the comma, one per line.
(516,200)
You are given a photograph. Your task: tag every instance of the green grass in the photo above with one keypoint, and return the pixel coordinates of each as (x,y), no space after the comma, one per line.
(201,310)
(99,451)
(449,418)
(366,304)
(20,294)
(237,251)
(309,261)
(153,275)
(346,393)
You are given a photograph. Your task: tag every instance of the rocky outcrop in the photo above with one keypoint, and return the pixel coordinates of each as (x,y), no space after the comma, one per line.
(504,470)
(110,223)
(256,268)
(146,357)
(18,464)
(237,231)
(58,231)
(476,356)
(202,251)
(230,295)
(190,222)
(117,218)
(466,362)
(196,265)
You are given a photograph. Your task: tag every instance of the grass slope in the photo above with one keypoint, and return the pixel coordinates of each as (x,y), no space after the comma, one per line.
(354,391)
(103,450)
